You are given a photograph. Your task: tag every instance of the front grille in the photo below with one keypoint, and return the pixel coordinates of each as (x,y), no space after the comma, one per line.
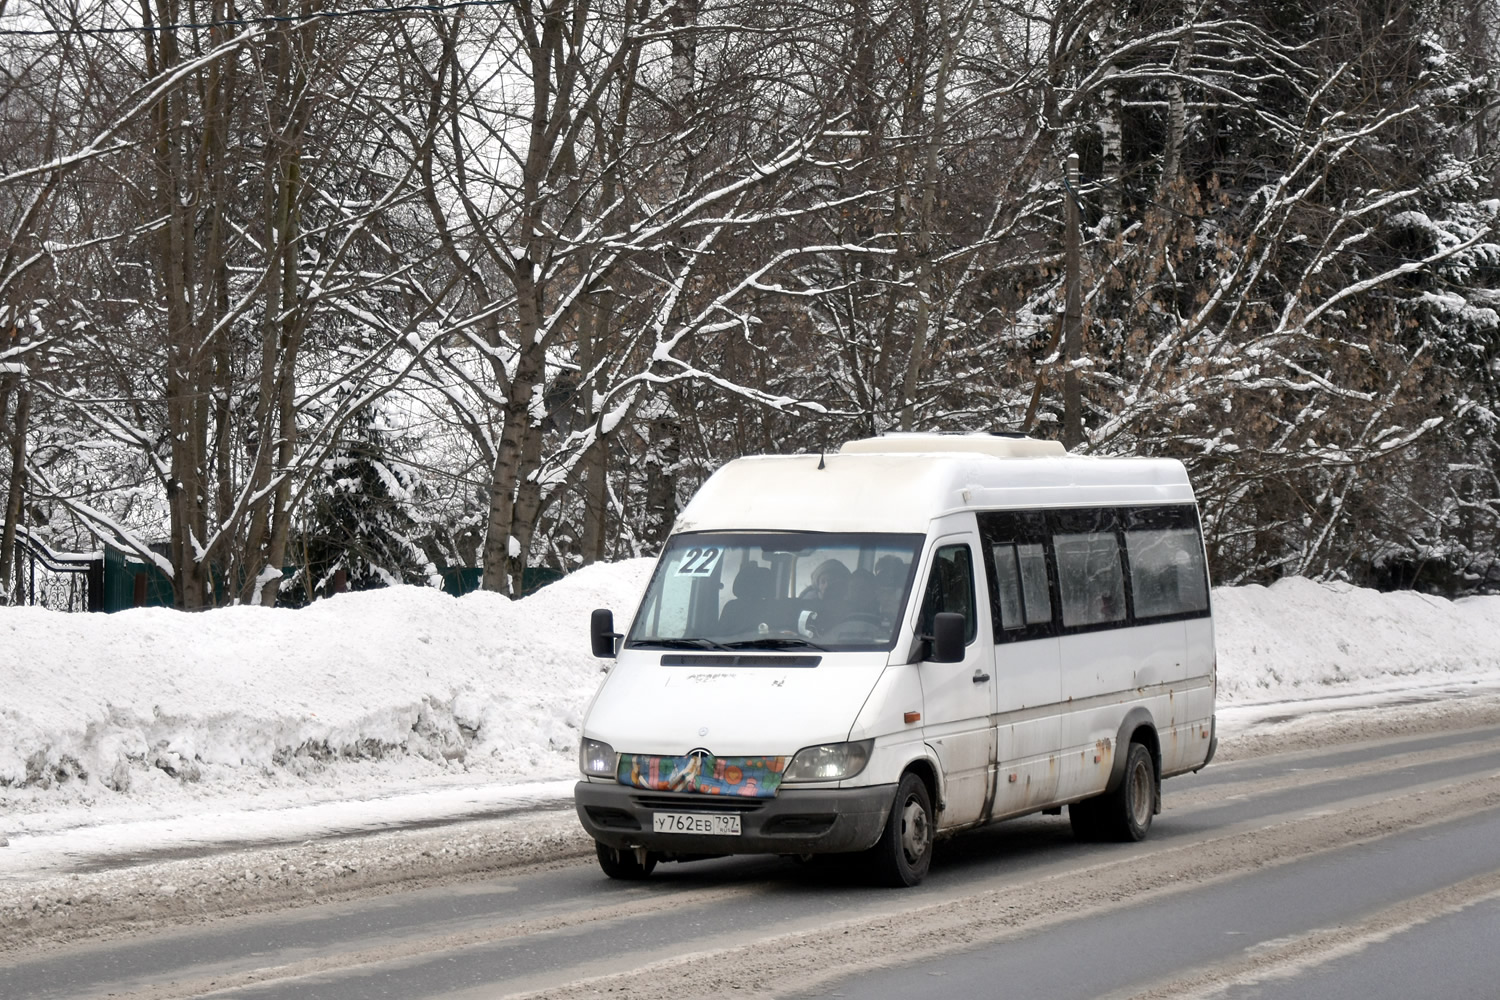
(699,803)
(741,660)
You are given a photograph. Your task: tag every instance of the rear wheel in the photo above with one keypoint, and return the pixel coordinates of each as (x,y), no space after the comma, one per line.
(904,852)
(1125,813)
(623,864)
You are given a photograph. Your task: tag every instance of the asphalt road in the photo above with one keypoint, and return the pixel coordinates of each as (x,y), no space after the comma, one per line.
(1366,870)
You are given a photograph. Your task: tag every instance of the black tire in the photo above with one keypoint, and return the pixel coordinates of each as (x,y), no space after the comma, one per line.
(903,853)
(1125,813)
(622,864)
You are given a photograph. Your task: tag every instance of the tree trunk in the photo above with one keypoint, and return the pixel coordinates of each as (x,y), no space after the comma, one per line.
(290,336)
(1171,162)
(502,541)
(1072,309)
(217,94)
(528,503)
(1111,159)
(282,329)
(180,161)
(922,338)
(17,493)
(664,450)
(592,543)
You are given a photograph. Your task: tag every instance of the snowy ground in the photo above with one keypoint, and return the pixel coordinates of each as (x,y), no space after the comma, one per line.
(150,732)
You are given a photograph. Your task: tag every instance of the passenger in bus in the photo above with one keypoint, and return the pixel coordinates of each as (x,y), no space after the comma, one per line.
(830,591)
(830,582)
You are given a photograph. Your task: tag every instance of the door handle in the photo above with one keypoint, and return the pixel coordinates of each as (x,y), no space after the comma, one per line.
(980,677)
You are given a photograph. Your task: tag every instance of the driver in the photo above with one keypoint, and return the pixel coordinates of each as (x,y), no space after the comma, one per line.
(830,588)
(830,582)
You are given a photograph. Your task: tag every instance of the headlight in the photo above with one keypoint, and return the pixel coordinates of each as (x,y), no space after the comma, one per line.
(830,762)
(596,758)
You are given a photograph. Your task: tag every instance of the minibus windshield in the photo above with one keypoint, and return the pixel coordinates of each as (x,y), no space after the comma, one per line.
(777,591)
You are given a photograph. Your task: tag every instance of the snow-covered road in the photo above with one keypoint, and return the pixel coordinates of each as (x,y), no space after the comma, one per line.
(1262,843)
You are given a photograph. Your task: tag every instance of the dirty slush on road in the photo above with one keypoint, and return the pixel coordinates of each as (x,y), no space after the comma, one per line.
(138,899)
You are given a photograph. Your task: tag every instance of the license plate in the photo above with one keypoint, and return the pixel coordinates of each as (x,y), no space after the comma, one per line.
(712,823)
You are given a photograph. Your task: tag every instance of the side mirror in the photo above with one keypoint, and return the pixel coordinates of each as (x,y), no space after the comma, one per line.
(602,634)
(948,629)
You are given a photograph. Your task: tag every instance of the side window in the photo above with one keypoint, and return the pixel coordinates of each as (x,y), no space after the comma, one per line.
(1008,585)
(950,587)
(1167,572)
(1021,584)
(1015,549)
(1090,577)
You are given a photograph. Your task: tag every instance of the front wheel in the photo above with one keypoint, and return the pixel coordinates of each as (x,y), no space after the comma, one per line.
(623,864)
(904,852)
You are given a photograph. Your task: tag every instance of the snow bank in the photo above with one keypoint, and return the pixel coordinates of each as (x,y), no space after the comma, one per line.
(1300,639)
(475,682)
(406,686)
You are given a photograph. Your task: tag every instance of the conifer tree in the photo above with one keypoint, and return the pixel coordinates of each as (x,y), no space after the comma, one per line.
(360,532)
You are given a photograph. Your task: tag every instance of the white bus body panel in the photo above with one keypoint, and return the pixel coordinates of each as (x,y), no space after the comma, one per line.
(1042,730)
(957,707)
(648,708)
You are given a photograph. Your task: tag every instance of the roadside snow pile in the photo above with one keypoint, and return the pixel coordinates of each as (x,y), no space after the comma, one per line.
(368,694)
(135,698)
(1300,639)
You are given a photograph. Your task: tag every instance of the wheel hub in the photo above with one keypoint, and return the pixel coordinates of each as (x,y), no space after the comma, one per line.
(915,832)
(1140,795)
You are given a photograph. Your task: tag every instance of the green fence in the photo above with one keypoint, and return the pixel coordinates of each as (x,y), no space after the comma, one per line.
(462,580)
(131,582)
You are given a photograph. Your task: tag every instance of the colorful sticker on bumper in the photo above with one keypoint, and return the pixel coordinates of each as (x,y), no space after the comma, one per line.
(753,777)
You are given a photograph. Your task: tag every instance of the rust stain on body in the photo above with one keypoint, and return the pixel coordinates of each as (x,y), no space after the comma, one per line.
(1102,750)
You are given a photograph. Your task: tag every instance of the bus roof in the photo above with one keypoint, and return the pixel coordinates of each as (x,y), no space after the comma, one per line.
(900,489)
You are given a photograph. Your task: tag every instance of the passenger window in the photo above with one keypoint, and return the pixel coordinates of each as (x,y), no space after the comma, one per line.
(1090,578)
(1015,551)
(1008,584)
(950,587)
(1021,581)
(1167,575)
(1034,584)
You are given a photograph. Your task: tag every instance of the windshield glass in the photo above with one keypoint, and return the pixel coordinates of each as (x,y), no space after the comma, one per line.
(777,590)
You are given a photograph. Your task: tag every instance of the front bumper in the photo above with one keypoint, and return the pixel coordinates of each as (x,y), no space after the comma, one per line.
(796,821)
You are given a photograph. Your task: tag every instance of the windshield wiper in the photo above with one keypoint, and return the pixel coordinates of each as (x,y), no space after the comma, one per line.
(774,642)
(677,644)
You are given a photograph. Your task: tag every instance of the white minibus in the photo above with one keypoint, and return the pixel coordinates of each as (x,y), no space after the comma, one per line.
(920,634)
